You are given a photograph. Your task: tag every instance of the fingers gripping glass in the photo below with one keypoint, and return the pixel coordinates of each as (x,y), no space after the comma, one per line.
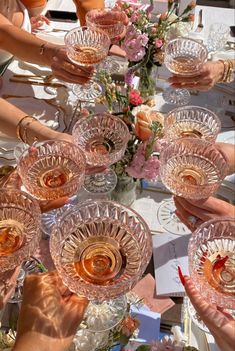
(183,57)
(87,47)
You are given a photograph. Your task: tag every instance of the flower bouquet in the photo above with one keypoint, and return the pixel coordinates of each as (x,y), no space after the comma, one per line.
(141,158)
(144,40)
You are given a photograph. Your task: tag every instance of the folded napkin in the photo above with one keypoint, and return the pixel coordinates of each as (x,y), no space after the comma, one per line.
(145,289)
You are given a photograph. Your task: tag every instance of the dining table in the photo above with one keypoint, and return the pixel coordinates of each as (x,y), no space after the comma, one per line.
(56,108)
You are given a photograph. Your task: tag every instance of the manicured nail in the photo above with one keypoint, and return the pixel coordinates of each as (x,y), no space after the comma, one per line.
(181,276)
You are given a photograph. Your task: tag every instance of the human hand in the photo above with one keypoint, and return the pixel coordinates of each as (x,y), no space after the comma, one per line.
(7,285)
(209,75)
(64,69)
(193,213)
(220,323)
(38,21)
(228,152)
(49,315)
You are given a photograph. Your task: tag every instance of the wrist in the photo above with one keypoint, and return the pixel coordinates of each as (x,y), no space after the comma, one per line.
(40,342)
(221,69)
(48,51)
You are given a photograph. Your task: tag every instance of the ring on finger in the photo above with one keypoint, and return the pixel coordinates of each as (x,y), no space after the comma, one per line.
(193,220)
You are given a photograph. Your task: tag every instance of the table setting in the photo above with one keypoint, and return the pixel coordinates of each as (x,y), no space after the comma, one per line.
(117,239)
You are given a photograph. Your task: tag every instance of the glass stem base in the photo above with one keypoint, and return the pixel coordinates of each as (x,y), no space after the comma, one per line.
(100,183)
(50,218)
(105,315)
(88,92)
(176,96)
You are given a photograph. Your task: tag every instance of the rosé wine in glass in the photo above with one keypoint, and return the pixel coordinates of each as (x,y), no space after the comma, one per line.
(103,138)
(87,47)
(20,228)
(101,249)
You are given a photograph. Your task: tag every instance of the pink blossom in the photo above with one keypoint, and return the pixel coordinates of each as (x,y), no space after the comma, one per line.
(143,39)
(158,43)
(134,17)
(142,168)
(129,78)
(135,98)
(135,53)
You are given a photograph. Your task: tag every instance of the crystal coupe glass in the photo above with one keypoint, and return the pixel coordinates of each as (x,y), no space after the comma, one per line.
(20,228)
(211,253)
(103,138)
(193,122)
(111,22)
(101,249)
(87,47)
(52,169)
(192,168)
(183,57)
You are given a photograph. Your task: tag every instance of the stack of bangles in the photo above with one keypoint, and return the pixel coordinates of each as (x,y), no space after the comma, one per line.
(228,75)
(22,127)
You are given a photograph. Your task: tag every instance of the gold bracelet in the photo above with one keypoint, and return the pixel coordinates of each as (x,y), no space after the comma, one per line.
(23,138)
(228,71)
(42,48)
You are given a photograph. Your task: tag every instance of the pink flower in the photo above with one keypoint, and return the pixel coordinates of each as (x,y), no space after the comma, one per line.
(163,16)
(191,17)
(129,78)
(143,39)
(142,168)
(134,44)
(192,5)
(135,98)
(134,17)
(158,43)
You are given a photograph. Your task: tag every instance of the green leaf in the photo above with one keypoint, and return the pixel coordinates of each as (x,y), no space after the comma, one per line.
(123,339)
(143,348)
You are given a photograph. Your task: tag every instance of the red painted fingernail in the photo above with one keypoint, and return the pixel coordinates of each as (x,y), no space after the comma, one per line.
(181,276)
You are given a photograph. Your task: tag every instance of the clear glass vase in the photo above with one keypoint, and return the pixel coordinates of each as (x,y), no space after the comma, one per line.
(147,84)
(125,190)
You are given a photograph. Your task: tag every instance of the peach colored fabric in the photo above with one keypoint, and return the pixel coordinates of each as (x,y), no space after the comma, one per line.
(83,6)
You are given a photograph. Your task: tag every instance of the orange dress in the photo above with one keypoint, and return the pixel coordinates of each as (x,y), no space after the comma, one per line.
(83,6)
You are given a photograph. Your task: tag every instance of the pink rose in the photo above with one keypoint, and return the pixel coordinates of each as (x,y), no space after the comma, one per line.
(158,43)
(163,16)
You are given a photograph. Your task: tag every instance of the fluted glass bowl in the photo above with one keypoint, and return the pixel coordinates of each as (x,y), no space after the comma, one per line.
(108,20)
(102,137)
(52,169)
(192,168)
(86,46)
(185,56)
(191,121)
(101,249)
(211,243)
(20,230)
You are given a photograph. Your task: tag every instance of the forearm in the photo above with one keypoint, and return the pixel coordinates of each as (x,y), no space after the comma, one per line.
(25,46)
(10,116)
(40,342)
